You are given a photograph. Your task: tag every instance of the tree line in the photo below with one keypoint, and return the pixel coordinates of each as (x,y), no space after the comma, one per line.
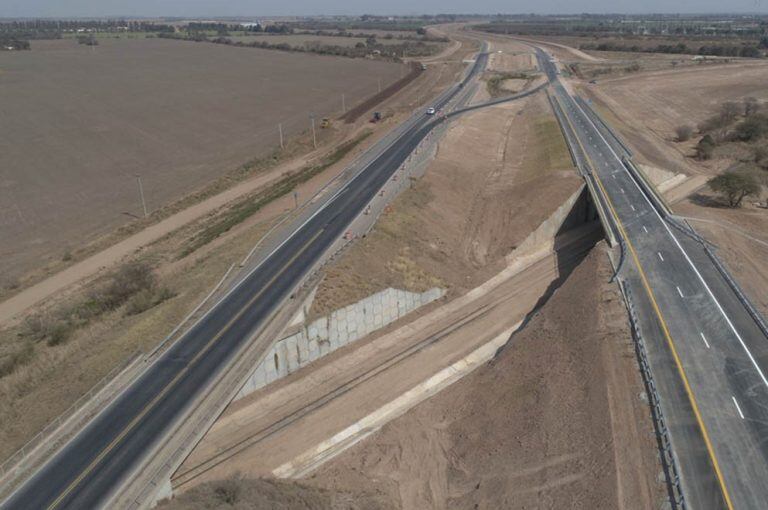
(744,50)
(360,50)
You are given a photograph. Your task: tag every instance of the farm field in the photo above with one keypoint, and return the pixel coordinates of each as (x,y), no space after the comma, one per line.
(79,123)
(302,39)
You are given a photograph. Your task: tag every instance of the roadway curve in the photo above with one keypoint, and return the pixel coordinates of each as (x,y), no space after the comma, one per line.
(86,472)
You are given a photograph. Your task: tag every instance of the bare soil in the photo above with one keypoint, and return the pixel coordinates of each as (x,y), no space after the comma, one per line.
(178,114)
(554,421)
(261,494)
(472,207)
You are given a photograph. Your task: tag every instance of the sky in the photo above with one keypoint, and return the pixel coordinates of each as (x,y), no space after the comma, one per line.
(256,8)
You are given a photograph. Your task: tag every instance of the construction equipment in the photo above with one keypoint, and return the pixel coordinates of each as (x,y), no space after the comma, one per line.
(326,122)
(376,117)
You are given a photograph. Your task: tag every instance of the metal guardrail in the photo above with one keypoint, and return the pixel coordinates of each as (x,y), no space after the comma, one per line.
(745,301)
(688,230)
(669,463)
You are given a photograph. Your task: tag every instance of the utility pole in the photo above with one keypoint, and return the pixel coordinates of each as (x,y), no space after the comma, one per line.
(295,199)
(141,195)
(314,138)
(379,84)
(343,105)
(280,130)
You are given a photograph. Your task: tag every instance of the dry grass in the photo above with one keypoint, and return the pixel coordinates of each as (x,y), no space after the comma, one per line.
(44,383)
(548,152)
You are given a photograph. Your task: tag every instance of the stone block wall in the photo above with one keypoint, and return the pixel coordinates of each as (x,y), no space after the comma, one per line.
(341,327)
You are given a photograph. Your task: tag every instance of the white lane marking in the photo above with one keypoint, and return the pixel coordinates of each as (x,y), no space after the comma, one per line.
(687,258)
(741,415)
(632,206)
(612,175)
(680,292)
(659,254)
(622,190)
(645,229)
(705,339)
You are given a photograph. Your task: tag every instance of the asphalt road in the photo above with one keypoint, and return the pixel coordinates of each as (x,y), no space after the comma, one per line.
(708,356)
(97,460)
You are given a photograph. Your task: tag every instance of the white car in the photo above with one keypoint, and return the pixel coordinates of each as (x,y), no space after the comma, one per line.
(430,111)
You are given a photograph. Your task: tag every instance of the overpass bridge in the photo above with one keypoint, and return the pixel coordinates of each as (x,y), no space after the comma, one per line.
(703,343)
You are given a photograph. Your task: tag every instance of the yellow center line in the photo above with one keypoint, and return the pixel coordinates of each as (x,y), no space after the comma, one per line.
(147,408)
(665,329)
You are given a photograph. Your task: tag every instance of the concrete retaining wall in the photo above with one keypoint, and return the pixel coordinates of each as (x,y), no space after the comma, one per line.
(326,334)
(573,212)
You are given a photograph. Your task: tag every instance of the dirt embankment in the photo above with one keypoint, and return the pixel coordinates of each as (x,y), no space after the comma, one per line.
(244,494)
(473,206)
(555,421)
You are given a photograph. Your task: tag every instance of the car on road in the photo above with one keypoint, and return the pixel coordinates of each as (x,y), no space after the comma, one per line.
(430,111)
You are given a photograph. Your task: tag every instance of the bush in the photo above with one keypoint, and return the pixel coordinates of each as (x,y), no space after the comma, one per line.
(760,156)
(705,148)
(734,187)
(683,133)
(146,299)
(751,106)
(60,332)
(130,279)
(752,128)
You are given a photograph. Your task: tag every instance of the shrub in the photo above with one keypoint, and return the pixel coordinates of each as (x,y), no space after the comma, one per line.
(760,156)
(705,148)
(60,332)
(751,106)
(127,281)
(146,299)
(683,133)
(734,187)
(19,358)
(752,128)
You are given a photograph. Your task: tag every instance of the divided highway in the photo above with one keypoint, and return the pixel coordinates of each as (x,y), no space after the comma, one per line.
(92,466)
(708,356)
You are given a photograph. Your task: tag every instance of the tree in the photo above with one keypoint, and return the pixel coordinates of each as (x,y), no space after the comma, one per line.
(734,187)
(750,52)
(683,133)
(705,147)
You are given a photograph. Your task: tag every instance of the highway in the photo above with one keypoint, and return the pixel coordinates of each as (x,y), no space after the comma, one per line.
(86,472)
(709,358)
